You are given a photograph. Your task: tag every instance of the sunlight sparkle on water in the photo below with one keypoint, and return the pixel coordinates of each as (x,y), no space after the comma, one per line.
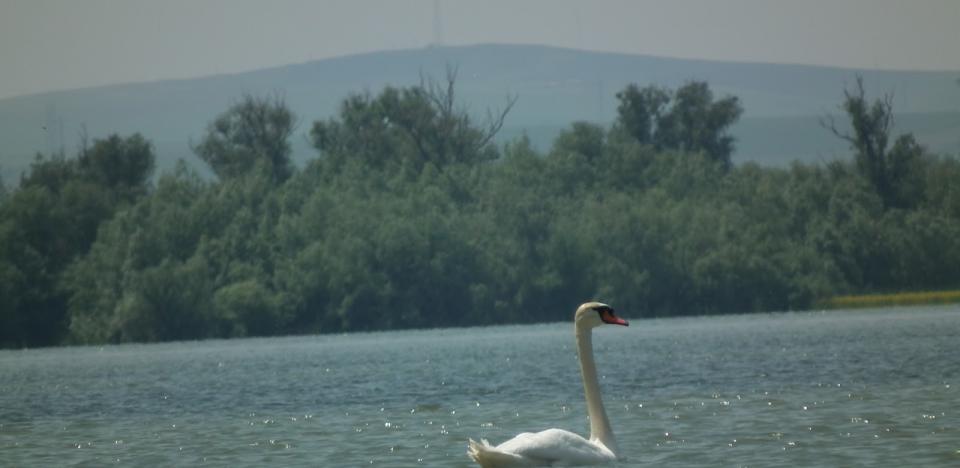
(670,405)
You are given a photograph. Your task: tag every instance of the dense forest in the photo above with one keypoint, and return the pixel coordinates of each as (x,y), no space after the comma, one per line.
(410,216)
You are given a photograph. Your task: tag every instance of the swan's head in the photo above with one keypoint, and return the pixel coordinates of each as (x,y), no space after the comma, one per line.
(594,314)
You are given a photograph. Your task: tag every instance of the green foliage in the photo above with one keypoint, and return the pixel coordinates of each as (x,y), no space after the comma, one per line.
(688,120)
(640,111)
(407,128)
(165,227)
(122,165)
(252,135)
(890,171)
(247,308)
(53,217)
(169,301)
(411,218)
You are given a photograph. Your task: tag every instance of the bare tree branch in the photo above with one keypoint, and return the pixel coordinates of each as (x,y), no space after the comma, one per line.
(495,122)
(443,98)
(829,123)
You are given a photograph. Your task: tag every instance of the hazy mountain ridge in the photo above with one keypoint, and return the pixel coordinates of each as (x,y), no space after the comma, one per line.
(555,86)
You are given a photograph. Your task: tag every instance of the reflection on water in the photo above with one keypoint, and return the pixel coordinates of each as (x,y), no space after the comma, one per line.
(803,389)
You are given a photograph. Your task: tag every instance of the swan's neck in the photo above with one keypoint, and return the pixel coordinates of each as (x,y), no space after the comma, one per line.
(599,424)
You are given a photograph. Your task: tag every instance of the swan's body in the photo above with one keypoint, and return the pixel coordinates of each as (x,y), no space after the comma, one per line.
(557,447)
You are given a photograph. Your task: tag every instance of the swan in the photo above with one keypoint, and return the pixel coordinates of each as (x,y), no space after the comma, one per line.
(557,447)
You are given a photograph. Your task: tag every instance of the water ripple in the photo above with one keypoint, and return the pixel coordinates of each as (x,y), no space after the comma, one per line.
(863,388)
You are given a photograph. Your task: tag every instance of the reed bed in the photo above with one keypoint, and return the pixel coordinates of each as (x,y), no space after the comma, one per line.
(892,299)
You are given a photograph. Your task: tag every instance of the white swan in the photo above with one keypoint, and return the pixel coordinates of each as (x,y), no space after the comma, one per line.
(557,447)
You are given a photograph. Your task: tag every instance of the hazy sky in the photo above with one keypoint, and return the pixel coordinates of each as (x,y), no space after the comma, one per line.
(61,44)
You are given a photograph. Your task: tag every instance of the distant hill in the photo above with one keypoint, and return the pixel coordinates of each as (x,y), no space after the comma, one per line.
(555,87)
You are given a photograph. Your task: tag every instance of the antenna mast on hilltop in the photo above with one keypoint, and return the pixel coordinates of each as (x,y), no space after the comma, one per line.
(437,25)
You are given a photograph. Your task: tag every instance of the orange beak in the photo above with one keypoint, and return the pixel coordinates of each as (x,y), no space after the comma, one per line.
(609,317)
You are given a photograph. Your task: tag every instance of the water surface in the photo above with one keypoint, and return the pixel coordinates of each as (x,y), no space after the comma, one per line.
(840,388)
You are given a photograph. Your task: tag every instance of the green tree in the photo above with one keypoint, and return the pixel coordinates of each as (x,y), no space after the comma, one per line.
(688,120)
(411,217)
(886,169)
(577,156)
(122,165)
(252,135)
(169,301)
(51,219)
(106,288)
(640,110)
(409,127)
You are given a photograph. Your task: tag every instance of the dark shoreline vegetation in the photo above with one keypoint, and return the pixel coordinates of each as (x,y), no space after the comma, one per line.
(411,217)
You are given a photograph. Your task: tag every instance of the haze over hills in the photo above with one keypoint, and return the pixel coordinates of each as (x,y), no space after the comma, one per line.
(554,87)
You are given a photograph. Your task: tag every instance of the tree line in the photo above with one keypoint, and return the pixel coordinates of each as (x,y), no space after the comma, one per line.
(411,216)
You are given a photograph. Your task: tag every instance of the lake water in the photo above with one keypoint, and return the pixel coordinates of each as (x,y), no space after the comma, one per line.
(839,388)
